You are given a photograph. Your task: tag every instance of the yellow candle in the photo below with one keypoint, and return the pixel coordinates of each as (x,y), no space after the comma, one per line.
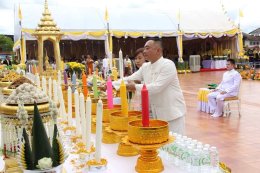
(114,62)
(123,96)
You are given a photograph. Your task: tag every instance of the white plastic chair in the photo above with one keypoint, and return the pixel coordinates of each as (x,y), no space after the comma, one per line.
(232,100)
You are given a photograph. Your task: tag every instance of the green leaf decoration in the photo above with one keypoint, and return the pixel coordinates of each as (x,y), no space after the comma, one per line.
(26,157)
(40,145)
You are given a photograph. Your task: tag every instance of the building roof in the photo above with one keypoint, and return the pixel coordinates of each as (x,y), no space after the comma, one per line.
(256,32)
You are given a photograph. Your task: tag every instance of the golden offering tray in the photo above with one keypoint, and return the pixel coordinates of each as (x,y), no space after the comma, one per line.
(147,140)
(12,109)
(7,91)
(4,84)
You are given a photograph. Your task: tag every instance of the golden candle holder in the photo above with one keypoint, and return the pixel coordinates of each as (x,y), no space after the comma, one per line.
(126,149)
(118,122)
(118,130)
(107,112)
(94,104)
(147,140)
(94,165)
(93,125)
(110,137)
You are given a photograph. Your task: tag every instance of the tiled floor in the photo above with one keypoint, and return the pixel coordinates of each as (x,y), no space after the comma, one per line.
(237,139)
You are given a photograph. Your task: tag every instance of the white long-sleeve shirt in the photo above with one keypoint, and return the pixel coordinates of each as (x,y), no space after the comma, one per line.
(165,95)
(230,82)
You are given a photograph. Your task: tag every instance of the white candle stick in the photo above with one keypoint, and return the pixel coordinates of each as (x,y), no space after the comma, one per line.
(62,105)
(44,87)
(50,88)
(82,116)
(76,98)
(121,64)
(88,123)
(59,78)
(99,130)
(55,94)
(69,106)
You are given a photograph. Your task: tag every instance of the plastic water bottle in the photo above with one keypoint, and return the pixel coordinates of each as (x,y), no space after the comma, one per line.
(196,161)
(214,159)
(188,159)
(205,161)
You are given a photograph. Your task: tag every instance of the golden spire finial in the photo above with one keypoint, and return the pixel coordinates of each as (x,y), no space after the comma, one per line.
(46,4)
(46,24)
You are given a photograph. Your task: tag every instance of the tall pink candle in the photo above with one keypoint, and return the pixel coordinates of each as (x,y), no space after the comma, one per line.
(109,93)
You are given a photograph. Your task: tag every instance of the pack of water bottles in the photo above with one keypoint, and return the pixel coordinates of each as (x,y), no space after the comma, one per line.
(191,155)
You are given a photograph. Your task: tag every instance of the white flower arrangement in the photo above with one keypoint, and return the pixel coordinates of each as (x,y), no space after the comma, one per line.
(44,163)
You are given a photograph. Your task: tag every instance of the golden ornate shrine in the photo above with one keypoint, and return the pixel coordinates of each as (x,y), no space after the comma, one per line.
(48,30)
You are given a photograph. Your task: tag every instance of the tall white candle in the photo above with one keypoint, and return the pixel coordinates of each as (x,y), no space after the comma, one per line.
(99,130)
(50,88)
(88,123)
(62,105)
(76,98)
(44,87)
(121,64)
(82,116)
(69,106)
(59,78)
(55,93)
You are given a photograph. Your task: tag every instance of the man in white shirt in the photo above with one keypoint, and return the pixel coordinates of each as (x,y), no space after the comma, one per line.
(229,87)
(165,95)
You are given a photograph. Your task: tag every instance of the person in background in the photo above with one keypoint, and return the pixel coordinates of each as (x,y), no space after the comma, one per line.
(229,87)
(139,58)
(89,64)
(7,61)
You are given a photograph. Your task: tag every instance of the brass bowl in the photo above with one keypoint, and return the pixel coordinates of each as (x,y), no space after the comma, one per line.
(7,91)
(107,112)
(156,133)
(120,123)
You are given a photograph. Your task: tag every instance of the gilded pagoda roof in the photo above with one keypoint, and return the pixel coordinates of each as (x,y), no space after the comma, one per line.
(47,24)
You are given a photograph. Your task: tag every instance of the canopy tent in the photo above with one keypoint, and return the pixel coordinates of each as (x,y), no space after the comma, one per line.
(80,22)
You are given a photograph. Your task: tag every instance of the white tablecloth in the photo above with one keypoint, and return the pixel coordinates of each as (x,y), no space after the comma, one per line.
(203,100)
(214,64)
(119,164)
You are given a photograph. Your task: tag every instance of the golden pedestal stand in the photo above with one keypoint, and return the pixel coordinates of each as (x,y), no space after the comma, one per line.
(147,140)
(118,130)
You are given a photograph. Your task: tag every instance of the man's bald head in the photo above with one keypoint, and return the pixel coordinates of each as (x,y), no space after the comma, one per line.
(153,50)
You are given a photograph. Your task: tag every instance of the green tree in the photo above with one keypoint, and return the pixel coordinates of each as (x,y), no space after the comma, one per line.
(6,43)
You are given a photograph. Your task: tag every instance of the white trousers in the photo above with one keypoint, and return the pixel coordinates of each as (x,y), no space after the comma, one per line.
(177,125)
(216,102)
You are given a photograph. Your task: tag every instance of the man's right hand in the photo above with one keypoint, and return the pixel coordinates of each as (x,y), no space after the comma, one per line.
(214,90)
